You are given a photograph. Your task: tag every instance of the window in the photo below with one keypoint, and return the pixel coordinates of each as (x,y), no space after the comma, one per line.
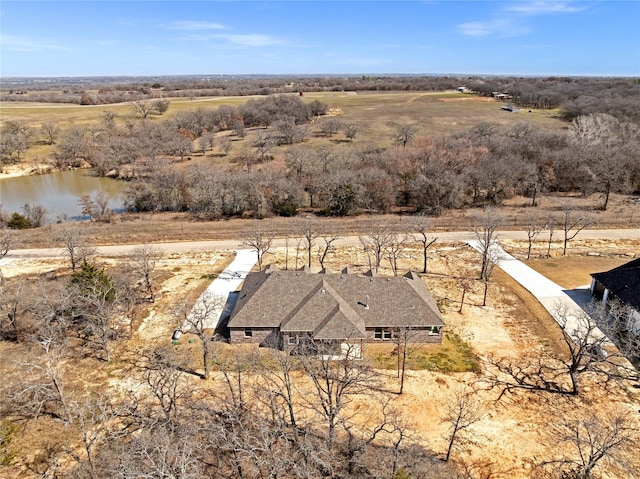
(293,339)
(248,333)
(382,334)
(435,329)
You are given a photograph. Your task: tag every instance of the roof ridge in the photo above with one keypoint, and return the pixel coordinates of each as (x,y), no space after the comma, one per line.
(302,303)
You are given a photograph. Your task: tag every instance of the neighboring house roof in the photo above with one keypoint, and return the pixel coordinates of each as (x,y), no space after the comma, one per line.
(623,282)
(333,305)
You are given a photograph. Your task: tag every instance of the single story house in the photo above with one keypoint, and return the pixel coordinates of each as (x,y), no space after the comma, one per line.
(298,310)
(622,284)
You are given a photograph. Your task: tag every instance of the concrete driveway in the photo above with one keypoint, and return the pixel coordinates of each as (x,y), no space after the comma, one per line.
(559,302)
(218,299)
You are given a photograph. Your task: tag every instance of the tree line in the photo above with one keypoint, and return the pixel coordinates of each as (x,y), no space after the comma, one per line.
(573,95)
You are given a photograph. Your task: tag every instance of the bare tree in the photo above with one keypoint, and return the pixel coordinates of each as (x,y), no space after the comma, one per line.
(207,141)
(95,418)
(595,438)
(323,252)
(462,410)
(486,233)
(298,160)
(6,243)
(326,156)
(586,352)
(421,226)
(350,131)
(35,214)
(587,346)
(201,320)
(330,126)
(263,144)
(396,245)
(76,244)
(299,248)
(143,108)
(335,382)
(404,134)
(278,373)
(550,225)
(493,257)
(163,372)
(44,385)
(225,145)
(308,229)
(376,242)
(96,207)
(51,131)
(404,336)
(13,302)
(466,284)
(260,241)
(573,222)
(533,228)
(144,261)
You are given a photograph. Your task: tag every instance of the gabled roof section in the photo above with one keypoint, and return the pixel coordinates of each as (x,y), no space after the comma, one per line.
(343,323)
(312,309)
(623,282)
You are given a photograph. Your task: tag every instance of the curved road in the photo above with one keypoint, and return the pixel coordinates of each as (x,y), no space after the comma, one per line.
(181,247)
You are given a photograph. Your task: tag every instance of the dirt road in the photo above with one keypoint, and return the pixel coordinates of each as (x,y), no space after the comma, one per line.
(231,244)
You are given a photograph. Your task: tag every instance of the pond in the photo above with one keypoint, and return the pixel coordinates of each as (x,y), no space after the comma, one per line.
(59,192)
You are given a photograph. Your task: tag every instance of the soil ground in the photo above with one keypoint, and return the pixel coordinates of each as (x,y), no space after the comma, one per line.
(513,430)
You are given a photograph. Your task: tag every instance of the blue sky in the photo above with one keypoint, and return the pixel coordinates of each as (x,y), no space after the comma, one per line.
(67,38)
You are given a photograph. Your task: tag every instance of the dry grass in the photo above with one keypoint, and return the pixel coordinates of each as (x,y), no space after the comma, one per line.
(134,228)
(571,272)
(373,113)
(513,323)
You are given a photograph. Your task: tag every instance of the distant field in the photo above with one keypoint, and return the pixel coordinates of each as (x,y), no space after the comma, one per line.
(431,112)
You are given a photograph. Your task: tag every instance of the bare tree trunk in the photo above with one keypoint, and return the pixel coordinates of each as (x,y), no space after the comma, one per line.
(486,288)
(205,355)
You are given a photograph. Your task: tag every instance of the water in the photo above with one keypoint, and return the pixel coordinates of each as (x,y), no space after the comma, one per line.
(58,192)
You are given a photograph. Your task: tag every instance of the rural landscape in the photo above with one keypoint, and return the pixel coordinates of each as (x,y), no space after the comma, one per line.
(118,361)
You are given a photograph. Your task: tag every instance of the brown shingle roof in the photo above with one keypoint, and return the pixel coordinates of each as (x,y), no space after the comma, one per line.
(331,305)
(623,282)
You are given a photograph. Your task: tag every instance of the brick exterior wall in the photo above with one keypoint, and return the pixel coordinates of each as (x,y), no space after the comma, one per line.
(415,336)
(271,336)
(258,335)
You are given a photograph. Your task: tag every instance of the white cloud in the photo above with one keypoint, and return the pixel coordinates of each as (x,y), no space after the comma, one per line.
(194,25)
(245,40)
(542,8)
(501,27)
(24,44)
(508,22)
(252,40)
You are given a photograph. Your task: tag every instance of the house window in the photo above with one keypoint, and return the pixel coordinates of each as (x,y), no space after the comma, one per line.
(435,329)
(293,339)
(382,334)
(248,333)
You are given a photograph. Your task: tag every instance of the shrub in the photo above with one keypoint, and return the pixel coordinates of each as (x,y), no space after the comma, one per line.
(18,222)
